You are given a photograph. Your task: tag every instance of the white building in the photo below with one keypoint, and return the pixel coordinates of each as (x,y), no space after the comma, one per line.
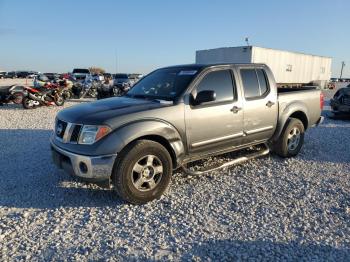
(288,67)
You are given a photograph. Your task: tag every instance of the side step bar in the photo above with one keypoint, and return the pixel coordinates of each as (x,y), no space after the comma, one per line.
(263,152)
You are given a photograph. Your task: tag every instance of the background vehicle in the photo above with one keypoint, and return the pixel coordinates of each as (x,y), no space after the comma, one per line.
(2,74)
(122,80)
(11,74)
(80,74)
(47,95)
(177,115)
(11,94)
(289,68)
(52,76)
(87,87)
(22,74)
(340,103)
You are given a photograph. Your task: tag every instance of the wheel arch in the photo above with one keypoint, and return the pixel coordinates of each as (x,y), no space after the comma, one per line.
(153,130)
(299,113)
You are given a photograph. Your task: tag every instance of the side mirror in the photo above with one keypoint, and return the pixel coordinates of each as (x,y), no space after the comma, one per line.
(204,97)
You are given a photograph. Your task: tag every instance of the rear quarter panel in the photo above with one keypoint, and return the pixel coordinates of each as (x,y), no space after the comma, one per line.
(306,101)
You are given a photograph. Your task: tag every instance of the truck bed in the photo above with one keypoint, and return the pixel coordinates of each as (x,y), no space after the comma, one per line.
(304,97)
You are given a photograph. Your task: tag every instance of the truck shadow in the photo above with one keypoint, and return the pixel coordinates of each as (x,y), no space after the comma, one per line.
(236,250)
(30,180)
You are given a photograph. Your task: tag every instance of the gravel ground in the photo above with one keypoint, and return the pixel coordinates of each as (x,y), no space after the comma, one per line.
(268,208)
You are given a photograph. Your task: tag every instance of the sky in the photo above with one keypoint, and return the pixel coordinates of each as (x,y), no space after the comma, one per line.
(140,36)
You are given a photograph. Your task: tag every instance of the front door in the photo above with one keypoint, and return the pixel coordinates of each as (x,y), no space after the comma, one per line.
(215,125)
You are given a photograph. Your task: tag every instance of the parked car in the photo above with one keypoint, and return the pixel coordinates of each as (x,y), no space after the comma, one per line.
(81,74)
(11,75)
(122,80)
(2,74)
(52,76)
(177,115)
(340,103)
(334,79)
(32,74)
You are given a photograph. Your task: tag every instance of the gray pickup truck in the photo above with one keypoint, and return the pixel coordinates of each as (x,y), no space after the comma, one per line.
(177,115)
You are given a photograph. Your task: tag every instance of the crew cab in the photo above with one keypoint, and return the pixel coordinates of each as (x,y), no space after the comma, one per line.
(176,115)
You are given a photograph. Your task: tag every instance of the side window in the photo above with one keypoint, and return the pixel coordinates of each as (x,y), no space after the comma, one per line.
(250,83)
(262,81)
(220,82)
(254,83)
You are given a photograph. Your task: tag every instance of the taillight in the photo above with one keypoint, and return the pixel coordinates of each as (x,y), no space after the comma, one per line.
(321,100)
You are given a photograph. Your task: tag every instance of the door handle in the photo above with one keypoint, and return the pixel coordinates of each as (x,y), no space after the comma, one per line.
(235,109)
(269,104)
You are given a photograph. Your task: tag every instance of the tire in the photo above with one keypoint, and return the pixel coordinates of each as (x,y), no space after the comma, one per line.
(291,139)
(134,171)
(26,103)
(59,100)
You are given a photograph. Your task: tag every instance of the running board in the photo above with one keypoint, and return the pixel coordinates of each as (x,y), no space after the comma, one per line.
(263,152)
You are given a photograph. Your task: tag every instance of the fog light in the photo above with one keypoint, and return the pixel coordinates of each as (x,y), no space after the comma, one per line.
(83,167)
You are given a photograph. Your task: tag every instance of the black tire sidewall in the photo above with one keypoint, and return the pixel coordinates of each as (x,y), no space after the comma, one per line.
(122,175)
(282,144)
(59,103)
(24,103)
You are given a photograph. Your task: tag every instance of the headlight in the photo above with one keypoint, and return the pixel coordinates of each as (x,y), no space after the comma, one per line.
(91,134)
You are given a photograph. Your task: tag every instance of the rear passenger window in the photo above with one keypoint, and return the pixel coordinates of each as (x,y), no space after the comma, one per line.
(220,82)
(262,81)
(254,83)
(250,83)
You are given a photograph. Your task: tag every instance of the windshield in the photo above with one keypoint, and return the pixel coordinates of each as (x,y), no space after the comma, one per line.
(165,83)
(81,71)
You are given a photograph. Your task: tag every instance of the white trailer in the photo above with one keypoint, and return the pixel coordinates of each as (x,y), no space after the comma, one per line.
(289,68)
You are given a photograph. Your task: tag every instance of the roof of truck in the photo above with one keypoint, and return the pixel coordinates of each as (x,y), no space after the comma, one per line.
(202,66)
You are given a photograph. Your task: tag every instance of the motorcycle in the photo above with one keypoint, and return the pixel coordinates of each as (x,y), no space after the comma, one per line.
(47,95)
(105,89)
(86,88)
(10,94)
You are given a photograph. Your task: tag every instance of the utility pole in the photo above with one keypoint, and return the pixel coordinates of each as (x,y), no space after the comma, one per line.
(341,71)
(116,61)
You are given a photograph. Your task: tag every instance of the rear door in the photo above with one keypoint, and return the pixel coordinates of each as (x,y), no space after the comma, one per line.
(260,104)
(215,125)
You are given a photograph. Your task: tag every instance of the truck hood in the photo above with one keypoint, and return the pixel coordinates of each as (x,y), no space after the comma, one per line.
(99,112)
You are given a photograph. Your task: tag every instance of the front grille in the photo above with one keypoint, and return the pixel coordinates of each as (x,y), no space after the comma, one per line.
(67,132)
(75,134)
(60,129)
(346,101)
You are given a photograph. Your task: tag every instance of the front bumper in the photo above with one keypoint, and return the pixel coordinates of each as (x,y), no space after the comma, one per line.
(89,168)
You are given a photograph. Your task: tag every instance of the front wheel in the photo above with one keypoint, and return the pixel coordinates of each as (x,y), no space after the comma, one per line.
(59,100)
(143,172)
(28,103)
(291,139)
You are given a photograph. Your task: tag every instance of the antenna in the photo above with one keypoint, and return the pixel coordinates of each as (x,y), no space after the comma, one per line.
(247,40)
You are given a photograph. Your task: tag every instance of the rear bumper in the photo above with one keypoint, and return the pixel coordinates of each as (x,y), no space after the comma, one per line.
(89,168)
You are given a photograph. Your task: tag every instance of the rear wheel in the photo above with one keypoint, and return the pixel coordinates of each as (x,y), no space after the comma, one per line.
(143,172)
(291,139)
(17,98)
